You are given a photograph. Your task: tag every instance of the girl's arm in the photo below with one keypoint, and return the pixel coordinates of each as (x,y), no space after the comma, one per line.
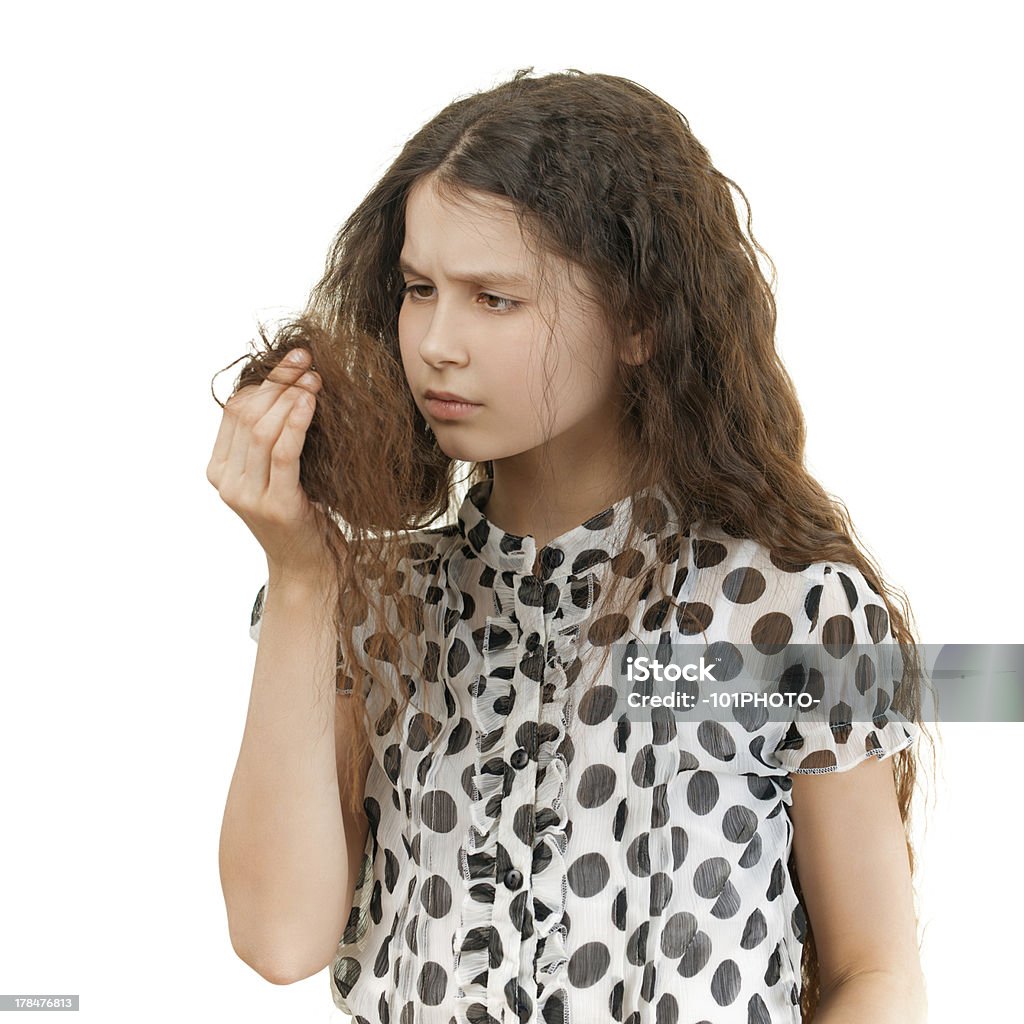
(287,852)
(851,857)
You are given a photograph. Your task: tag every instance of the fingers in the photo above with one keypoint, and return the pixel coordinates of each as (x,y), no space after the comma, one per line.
(283,465)
(222,446)
(279,435)
(244,411)
(252,403)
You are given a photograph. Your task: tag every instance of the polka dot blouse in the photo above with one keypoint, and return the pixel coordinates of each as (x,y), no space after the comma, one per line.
(555,862)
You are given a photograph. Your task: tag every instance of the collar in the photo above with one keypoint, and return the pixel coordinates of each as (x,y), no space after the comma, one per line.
(599,539)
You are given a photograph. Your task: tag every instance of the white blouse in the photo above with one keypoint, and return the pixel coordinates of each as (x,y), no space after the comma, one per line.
(557,862)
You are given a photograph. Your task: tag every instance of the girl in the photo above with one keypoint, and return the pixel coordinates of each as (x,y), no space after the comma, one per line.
(550,285)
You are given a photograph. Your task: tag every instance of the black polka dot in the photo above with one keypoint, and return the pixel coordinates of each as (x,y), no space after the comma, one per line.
(743,585)
(597,704)
(757,1011)
(432,983)
(693,617)
(680,844)
(436,896)
(588,964)
(668,1010)
(608,630)
(422,729)
(346,974)
(707,553)
(702,792)
(597,783)
(716,740)
(837,636)
(725,983)
(644,766)
(393,762)
(710,877)
(459,737)
(438,811)
(648,987)
(636,945)
(739,823)
(410,934)
(638,857)
(661,893)
(588,874)
(772,632)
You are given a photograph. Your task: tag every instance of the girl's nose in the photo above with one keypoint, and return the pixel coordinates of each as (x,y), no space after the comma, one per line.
(444,341)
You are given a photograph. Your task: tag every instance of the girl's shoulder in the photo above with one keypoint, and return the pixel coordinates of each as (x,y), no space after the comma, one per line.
(749,576)
(714,547)
(716,553)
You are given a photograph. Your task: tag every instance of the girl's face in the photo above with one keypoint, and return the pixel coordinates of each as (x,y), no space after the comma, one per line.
(472,323)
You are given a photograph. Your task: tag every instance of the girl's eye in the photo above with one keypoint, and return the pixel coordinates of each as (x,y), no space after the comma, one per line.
(506,305)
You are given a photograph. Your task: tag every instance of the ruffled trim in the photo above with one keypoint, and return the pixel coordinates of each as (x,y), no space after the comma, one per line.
(491,695)
(551,887)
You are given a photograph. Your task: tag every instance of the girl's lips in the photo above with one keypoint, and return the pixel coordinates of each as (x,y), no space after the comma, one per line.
(445,410)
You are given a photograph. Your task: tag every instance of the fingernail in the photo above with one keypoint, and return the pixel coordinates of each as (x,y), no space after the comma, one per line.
(296,356)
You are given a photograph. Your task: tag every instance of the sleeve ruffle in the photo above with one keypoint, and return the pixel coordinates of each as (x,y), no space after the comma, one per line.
(256,615)
(852,669)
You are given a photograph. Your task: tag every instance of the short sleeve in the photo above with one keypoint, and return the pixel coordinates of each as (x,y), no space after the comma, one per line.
(257,614)
(853,668)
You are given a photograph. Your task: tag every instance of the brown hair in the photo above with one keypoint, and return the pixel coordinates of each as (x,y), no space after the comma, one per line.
(608,177)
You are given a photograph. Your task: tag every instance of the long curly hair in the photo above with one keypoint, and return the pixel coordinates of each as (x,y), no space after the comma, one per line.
(606,176)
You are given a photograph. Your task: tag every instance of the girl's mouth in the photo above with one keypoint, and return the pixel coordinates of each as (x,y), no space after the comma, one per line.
(446,410)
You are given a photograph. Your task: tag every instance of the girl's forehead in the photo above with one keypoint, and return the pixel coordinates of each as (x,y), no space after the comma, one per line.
(430,188)
(428,206)
(476,231)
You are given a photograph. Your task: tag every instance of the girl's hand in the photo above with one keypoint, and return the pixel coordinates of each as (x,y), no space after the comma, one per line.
(255,467)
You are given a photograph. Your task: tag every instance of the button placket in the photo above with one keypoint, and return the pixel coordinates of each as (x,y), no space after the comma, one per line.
(522,710)
(485,950)
(526,710)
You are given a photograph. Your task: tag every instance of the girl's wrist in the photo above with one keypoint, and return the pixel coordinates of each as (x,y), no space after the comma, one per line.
(300,582)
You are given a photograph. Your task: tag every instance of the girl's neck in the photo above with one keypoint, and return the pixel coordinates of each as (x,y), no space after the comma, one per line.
(522,505)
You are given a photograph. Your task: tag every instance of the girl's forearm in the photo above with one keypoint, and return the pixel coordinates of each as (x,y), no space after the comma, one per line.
(878,996)
(283,855)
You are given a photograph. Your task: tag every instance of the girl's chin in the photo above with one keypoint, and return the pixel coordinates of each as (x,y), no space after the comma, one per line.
(464,451)
(453,449)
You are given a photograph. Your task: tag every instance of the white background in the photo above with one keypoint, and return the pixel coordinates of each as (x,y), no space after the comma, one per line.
(174,172)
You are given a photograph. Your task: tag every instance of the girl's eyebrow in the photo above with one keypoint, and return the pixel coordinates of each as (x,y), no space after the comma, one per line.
(468,276)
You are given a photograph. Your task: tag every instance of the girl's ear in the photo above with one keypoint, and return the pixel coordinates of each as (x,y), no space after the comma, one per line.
(637,350)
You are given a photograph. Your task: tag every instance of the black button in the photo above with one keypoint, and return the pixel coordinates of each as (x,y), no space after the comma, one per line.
(513,878)
(519,758)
